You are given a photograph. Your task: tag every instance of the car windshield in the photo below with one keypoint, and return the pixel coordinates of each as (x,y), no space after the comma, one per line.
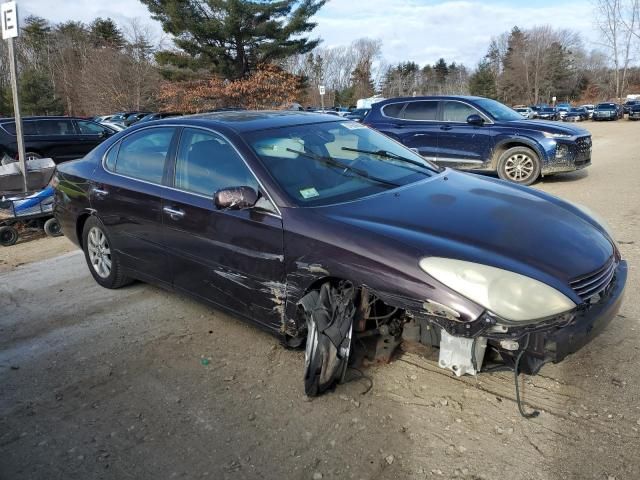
(577,110)
(497,110)
(548,109)
(605,106)
(333,162)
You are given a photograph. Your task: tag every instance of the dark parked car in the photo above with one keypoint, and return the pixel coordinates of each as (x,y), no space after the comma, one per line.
(606,111)
(324,231)
(634,112)
(549,113)
(134,117)
(358,114)
(59,138)
(576,114)
(482,135)
(626,107)
(159,116)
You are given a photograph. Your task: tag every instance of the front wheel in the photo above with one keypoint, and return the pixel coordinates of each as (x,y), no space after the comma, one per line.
(519,165)
(8,236)
(102,260)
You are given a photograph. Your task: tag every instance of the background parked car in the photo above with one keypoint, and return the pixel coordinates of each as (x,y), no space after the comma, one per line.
(634,112)
(134,117)
(479,134)
(576,114)
(589,108)
(563,109)
(59,138)
(548,113)
(526,112)
(626,107)
(118,127)
(606,111)
(159,116)
(358,114)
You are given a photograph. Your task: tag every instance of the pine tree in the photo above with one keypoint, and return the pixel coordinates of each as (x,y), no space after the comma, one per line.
(105,33)
(232,37)
(483,81)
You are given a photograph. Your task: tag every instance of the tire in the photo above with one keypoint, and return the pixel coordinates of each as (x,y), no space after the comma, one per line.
(8,236)
(329,315)
(103,262)
(52,228)
(519,165)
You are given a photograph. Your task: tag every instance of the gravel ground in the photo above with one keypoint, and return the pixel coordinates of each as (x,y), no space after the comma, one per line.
(144,384)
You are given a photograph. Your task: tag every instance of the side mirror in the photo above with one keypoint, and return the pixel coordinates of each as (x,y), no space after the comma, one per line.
(475,119)
(235,198)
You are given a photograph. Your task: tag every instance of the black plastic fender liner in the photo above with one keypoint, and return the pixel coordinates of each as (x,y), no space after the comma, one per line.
(329,315)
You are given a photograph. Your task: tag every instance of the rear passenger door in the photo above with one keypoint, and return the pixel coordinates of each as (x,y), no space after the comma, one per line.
(233,258)
(460,144)
(127,197)
(58,139)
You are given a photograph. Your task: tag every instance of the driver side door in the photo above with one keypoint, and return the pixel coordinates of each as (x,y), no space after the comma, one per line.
(231,258)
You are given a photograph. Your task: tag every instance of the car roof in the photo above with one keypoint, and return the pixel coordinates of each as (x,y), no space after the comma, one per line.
(251,120)
(429,97)
(51,117)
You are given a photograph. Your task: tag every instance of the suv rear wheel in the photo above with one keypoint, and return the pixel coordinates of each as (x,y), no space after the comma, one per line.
(519,165)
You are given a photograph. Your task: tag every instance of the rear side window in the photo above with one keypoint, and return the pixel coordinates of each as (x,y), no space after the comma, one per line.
(143,154)
(393,110)
(206,163)
(55,127)
(421,110)
(458,112)
(28,127)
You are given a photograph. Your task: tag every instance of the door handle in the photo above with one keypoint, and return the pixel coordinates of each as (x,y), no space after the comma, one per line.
(100,192)
(446,127)
(174,213)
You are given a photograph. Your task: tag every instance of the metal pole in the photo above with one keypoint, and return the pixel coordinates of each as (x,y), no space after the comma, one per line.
(322,101)
(16,111)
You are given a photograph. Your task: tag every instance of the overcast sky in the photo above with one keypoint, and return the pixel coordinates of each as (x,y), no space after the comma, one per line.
(418,30)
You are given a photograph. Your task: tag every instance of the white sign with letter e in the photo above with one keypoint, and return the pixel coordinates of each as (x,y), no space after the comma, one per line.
(9,20)
(321,89)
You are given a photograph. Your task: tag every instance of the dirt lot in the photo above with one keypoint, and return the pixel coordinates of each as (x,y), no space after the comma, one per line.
(112,384)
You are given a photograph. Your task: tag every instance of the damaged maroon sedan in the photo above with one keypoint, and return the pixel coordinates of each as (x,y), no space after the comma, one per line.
(326,232)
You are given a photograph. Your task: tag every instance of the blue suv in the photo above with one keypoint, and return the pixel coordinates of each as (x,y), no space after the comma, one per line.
(482,135)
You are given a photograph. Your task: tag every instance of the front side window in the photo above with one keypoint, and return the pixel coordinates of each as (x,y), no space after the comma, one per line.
(90,128)
(421,110)
(334,162)
(206,163)
(143,154)
(459,112)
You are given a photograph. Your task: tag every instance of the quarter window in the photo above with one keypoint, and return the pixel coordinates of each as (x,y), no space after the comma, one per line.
(421,110)
(143,154)
(206,163)
(393,110)
(457,112)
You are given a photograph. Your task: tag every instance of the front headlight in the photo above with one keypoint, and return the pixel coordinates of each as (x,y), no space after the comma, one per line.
(556,135)
(509,295)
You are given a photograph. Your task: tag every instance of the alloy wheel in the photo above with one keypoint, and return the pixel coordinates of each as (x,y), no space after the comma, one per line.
(99,252)
(519,167)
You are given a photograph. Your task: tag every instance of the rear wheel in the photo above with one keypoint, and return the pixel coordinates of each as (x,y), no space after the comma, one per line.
(8,236)
(519,165)
(52,228)
(102,260)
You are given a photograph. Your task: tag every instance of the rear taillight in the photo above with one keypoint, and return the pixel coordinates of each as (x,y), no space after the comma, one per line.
(54,182)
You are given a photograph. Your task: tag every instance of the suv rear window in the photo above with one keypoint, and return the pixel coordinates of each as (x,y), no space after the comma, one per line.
(393,110)
(28,127)
(421,110)
(55,127)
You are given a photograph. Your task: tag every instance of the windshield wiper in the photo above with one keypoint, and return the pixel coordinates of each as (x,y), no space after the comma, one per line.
(335,163)
(394,156)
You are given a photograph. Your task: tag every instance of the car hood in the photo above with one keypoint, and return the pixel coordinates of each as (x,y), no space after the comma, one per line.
(548,127)
(488,221)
